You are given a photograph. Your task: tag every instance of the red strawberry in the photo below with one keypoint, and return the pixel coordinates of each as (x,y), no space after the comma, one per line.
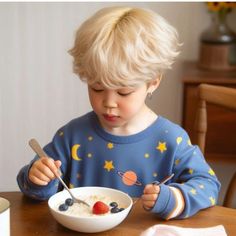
(100,208)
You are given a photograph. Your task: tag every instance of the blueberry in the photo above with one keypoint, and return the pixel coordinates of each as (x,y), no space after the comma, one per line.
(115,210)
(69,201)
(113,204)
(63,207)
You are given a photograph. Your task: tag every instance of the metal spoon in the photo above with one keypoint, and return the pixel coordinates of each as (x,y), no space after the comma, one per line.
(164,180)
(38,150)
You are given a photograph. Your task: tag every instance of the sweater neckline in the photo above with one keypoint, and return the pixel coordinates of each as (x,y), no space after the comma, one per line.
(150,130)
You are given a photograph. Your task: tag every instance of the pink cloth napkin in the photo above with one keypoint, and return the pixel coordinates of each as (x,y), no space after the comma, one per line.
(169,230)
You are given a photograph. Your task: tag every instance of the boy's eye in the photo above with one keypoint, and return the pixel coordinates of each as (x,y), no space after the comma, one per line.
(97,90)
(124,93)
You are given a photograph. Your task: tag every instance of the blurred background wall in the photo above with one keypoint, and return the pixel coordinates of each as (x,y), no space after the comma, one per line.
(38,91)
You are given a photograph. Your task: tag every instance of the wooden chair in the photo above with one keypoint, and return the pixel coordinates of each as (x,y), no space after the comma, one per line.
(221,96)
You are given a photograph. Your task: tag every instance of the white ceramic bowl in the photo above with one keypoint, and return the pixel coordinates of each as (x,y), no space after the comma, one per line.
(94,223)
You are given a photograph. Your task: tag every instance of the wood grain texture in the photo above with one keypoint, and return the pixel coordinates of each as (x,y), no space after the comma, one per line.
(29,217)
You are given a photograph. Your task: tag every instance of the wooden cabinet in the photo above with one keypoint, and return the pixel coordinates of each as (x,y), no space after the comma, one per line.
(221,133)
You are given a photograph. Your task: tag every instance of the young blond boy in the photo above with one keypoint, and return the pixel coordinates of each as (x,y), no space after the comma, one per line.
(122,54)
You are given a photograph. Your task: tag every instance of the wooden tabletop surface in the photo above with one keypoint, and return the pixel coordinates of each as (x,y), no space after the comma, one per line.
(29,217)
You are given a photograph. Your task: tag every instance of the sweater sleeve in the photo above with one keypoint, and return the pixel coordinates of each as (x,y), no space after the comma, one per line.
(32,190)
(194,186)
(56,150)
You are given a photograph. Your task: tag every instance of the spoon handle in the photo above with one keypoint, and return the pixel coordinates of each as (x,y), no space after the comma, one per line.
(36,147)
(38,150)
(164,180)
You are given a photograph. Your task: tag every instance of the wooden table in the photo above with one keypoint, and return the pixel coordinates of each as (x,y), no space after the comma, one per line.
(29,217)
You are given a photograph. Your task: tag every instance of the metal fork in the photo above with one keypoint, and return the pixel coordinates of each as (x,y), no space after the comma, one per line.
(38,150)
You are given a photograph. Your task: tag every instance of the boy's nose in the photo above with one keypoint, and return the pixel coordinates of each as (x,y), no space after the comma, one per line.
(110,101)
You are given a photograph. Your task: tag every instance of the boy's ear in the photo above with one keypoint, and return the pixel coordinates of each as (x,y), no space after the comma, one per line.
(154,84)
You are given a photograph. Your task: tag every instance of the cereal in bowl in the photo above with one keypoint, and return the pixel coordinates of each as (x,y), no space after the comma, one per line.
(100,205)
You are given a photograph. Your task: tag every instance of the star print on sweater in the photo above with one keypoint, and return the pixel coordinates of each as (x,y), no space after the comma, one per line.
(91,156)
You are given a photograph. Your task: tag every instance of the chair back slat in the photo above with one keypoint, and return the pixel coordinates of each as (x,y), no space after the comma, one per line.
(221,96)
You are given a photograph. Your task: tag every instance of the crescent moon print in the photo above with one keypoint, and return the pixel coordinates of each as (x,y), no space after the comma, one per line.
(74,151)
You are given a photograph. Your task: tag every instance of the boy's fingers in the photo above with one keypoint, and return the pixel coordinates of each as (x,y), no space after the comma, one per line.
(37,177)
(149,205)
(149,200)
(50,163)
(43,175)
(149,197)
(150,189)
(43,170)
(38,181)
(57,163)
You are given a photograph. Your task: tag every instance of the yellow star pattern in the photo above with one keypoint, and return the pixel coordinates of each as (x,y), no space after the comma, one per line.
(110,145)
(61,133)
(189,142)
(161,146)
(190,171)
(155,174)
(211,172)
(108,165)
(177,161)
(146,155)
(193,191)
(179,140)
(89,155)
(213,200)
(90,138)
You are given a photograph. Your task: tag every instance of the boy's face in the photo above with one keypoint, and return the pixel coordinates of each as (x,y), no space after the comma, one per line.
(118,110)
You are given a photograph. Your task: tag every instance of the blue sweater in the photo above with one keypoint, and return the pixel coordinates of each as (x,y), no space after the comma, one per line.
(92,157)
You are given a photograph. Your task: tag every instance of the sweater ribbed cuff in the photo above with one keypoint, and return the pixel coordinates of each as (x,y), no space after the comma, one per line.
(165,202)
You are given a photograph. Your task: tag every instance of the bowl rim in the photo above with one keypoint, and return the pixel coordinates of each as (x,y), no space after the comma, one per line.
(94,216)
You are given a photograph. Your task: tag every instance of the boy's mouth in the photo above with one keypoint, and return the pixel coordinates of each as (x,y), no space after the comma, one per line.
(110,117)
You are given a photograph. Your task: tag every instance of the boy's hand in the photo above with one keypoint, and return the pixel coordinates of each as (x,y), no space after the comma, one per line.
(42,171)
(150,195)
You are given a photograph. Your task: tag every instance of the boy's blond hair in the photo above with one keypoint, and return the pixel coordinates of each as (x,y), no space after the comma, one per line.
(123,46)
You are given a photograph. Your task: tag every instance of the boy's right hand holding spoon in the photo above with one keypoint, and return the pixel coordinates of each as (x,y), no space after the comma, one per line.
(42,171)
(151,192)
